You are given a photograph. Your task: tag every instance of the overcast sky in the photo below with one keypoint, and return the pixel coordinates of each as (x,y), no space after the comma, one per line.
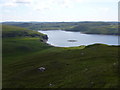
(58,10)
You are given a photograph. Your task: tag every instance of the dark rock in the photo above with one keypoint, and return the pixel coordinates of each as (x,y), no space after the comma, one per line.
(45,37)
(41,40)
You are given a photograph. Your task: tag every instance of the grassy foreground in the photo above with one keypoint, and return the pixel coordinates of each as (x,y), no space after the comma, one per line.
(93,66)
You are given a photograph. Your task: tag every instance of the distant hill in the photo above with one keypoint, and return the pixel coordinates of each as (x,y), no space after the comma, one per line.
(109,28)
(96,28)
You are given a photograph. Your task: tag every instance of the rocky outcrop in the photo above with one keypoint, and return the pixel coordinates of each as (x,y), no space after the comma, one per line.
(45,37)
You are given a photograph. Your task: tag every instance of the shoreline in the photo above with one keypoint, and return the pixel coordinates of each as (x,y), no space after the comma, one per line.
(80,32)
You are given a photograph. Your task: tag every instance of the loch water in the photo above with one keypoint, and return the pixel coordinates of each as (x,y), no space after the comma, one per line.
(62,38)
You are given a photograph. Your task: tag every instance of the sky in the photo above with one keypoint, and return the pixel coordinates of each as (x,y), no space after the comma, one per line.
(58,10)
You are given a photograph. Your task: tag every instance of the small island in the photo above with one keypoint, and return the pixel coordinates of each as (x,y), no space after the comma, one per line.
(72,40)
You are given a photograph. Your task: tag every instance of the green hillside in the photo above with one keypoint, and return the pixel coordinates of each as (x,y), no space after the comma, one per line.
(93,66)
(21,40)
(96,28)
(13,31)
(107,28)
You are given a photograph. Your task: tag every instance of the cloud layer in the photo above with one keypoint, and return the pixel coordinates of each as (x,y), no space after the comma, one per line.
(47,4)
(59,9)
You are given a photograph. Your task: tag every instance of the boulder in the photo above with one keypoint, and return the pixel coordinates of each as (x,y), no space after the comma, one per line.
(42,69)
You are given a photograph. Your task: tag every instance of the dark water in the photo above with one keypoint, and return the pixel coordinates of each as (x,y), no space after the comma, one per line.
(69,39)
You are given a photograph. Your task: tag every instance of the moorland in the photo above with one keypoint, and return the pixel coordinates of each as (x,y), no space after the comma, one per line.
(25,51)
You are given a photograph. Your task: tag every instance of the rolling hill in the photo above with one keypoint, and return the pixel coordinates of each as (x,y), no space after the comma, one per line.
(107,28)
(93,66)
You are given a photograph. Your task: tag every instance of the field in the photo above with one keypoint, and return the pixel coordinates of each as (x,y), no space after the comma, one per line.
(93,66)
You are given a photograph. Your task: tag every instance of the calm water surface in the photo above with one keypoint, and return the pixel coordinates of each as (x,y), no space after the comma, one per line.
(61,38)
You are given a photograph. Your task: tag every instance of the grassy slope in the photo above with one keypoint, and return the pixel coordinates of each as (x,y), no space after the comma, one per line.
(78,67)
(21,45)
(13,31)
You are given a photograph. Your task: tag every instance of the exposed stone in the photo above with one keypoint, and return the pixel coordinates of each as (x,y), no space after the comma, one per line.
(92,82)
(82,53)
(45,37)
(114,64)
(42,69)
(50,84)
(86,69)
